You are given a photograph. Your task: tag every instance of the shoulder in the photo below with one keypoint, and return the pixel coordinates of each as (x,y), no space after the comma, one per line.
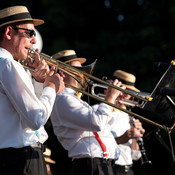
(66,99)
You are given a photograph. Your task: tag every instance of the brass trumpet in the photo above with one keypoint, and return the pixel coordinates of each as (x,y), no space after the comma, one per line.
(85,78)
(133,102)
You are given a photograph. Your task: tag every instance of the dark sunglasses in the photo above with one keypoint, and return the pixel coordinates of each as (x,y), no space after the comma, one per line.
(30,32)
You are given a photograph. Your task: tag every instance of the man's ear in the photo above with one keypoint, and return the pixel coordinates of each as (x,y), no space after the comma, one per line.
(8,32)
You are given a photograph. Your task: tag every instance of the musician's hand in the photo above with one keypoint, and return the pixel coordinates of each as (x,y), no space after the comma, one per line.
(131,133)
(41,68)
(121,97)
(134,133)
(54,80)
(138,125)
(111,93)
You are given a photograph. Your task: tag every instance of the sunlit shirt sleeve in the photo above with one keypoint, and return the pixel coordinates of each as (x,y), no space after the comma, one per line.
(19,89)
(77,114)
(74,122)
(21,111)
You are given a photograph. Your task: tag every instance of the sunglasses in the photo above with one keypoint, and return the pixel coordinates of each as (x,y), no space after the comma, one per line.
(30,32)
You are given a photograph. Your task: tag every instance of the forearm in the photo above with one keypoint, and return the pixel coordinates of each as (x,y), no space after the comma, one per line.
(135,145)
(121,140)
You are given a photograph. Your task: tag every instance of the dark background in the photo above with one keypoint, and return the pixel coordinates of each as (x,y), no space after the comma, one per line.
(131,35)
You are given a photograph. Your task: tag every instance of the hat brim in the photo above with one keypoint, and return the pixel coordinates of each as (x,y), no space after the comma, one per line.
(36,22)
(131,88)
(81,60)
(48,160)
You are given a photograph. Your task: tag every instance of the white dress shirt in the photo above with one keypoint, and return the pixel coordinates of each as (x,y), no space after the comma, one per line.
(21,111)
(74,122)
(120,125)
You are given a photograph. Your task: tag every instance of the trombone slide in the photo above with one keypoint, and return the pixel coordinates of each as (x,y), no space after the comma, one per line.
(88,79)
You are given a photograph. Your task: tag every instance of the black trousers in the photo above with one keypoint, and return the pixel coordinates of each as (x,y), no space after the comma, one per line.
(22,161)
(93,166)
(122,170)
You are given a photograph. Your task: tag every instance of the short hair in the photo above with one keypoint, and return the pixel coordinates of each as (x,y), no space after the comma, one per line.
(17,24)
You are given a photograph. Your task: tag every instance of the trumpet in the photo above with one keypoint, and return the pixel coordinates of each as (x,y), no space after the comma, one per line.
(86,79)
(133,102)
(145,162)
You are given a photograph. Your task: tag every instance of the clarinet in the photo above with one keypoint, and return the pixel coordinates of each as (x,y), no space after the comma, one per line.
(145,162)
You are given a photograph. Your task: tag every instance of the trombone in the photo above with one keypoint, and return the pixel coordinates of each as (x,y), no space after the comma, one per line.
(79,71)
(87,79)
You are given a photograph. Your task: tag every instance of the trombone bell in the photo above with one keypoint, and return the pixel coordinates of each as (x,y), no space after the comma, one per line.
(85,81)
(76,72)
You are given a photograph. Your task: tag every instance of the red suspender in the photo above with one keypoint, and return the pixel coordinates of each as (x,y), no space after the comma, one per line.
(101,144)
(96,134)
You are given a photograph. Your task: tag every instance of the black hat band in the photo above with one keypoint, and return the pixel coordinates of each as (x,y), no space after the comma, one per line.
(126,82)
(15,17)
(67,58)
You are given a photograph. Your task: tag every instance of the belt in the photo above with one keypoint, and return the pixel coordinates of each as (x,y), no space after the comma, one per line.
(122,168)
(39,145)
(11,150)
(104,160)
(96,159)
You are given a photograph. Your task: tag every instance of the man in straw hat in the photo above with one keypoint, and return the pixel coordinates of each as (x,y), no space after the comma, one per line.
(68,56)
(81,130)
(23,115)
(125,132)
(127,79)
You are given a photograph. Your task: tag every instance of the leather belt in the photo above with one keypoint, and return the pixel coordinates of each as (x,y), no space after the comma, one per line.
(104,160)
(38,145)
(11,150)
(123,168)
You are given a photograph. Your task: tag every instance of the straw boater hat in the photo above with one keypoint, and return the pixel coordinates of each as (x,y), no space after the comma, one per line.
(17,14)
(68,56)
(127,79)
(47,155)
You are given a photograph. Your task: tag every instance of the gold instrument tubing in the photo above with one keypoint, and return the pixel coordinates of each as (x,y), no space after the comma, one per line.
(68,67)
(58,63)
(122,109)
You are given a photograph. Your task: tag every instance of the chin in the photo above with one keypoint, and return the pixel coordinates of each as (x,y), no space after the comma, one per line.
(24,57)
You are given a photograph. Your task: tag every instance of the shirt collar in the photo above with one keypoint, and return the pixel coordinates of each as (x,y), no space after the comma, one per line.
(4,53)
(69,91)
